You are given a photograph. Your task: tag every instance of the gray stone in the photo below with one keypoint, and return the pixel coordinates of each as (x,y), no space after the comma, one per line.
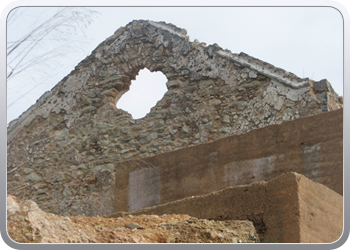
(40,186)
(98,168)
(173,84)
(321,86)
(312,105)
(88,109)
(208,125)
(323,97)
(152,150)
(153,135)
(173,132)
(125,130)
(186,129)
(92,93)
(39,161)
(159,123)
(225,129)
(104,143)
(289,103)
(126,156)
(206,83)
(90,158)
(33,177)
(252,74)
(94,138)
(71,141)
(150,124)
(57,177)
(126,151)
(61,135)
(27,170)
(144,140)
(143,149)
(214,102)
(241,105)
(226,119)
(279,103)
(133,225)
(67,192)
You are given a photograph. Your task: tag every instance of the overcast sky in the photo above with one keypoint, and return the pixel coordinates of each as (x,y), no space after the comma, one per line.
(307,41)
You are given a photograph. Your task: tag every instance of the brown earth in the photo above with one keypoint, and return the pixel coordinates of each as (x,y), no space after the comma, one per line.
(27,223)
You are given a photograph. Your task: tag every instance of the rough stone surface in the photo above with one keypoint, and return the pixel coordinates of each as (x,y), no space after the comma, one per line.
(74,135)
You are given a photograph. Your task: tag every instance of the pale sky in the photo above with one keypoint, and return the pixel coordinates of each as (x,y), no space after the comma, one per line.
(307,41)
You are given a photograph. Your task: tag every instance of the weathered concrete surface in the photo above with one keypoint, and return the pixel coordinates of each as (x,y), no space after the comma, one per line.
(287,209)
(62,151)
(321,213)
(312,146)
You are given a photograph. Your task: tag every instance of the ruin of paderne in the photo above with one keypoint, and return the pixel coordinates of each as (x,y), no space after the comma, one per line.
(226,121)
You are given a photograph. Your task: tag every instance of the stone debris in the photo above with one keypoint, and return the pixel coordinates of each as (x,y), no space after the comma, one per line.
(133,225)
(27,223)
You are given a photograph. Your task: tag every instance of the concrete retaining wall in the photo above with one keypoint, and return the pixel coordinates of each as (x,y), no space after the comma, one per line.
(312,146)
(287,209)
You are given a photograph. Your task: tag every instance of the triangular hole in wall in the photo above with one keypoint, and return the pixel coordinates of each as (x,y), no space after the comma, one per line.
(145,92)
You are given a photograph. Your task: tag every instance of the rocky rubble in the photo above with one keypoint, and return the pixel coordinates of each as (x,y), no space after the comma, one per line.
(27,223)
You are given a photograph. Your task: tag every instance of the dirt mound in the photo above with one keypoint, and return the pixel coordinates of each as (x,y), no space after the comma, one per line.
(27,223)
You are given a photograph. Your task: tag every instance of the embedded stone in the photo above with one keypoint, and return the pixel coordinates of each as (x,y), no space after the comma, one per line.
(252,74)
(173,132)
(67,192)
(27,170)
(61,135)
(153,135)
(214,102)
(321,86)
(186,129)
(133,225)
(226,119)
(241,105)
(33,177)
(173,84)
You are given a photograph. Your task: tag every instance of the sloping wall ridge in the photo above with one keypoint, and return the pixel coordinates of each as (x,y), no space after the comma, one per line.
(62,151)
(284,77)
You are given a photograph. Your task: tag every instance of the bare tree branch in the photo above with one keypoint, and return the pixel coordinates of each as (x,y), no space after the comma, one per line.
(41,43)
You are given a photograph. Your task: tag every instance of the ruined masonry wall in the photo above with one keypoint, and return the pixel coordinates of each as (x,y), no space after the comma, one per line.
(63,150)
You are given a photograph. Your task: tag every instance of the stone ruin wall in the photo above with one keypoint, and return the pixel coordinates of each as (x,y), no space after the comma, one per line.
(63,150)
